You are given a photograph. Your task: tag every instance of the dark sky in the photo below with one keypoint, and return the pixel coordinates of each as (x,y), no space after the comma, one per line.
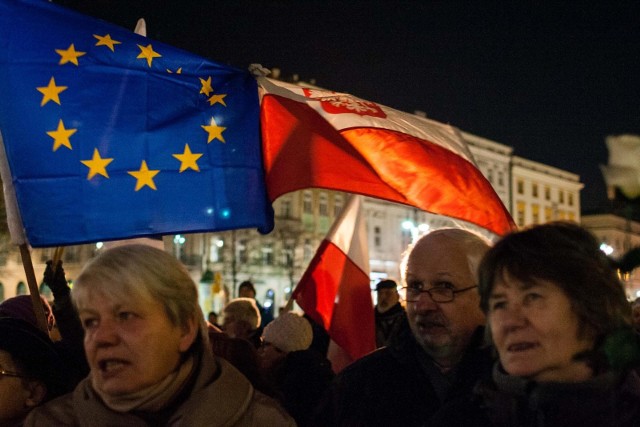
(551,79)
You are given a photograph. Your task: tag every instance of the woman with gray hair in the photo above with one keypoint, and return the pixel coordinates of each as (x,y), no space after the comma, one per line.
(147,346)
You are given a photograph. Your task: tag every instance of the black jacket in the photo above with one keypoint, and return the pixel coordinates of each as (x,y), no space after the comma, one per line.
(399,385)
(505,401)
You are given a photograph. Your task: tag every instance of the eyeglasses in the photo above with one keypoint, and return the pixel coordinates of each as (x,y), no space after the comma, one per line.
(437,294)
(11,374)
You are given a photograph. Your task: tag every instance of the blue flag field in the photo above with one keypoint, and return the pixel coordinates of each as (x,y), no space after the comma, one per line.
(110,135)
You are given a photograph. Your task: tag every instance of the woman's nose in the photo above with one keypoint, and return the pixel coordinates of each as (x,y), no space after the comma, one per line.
(105,333)
(511,317)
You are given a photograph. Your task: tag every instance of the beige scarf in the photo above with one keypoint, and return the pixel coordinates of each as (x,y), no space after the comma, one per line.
(152,398)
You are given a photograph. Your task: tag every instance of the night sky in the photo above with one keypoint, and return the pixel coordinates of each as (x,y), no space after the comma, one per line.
(551,79)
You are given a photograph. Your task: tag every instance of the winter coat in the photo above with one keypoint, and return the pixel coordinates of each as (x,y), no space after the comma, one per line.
(506,401)
(220,396)
(400,385)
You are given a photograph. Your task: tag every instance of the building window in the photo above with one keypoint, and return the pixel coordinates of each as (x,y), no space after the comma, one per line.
(490,175)
(267,254)
(548,214)
(307,251)
(500,178)
(520,186)
(337,206)
(534,190)
(520,213)
(1,292)
(323,206)
(21,289)
(535,214)
(216,245)
(242,251)
(561,196)
(570,195)
(377,237)
(547,193)
(307,202)
(285,208)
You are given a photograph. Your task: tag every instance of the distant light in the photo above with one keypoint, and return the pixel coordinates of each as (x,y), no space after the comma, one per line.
(407,225)
(423,228)
(288,289)
(219,243)
(179,239)
(209,211)
(637,294)
(226,213)
(99,245)
(267,304)
(608,250)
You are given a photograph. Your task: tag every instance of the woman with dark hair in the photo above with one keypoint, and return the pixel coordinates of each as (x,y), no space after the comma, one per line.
(559,320)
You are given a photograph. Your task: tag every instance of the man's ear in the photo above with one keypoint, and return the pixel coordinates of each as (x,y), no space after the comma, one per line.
(189,333)
(37,392)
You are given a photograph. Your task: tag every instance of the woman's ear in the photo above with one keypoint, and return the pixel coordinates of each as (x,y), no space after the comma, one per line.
(189,333)
(37,391)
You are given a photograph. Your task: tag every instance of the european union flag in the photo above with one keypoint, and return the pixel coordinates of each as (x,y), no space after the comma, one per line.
(111,135)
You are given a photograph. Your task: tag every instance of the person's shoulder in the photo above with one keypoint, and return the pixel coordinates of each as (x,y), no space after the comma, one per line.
(57,412)
(461,411)
(265,411)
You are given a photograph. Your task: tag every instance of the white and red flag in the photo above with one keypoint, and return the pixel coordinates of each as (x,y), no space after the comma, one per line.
(335,289)
(323,139)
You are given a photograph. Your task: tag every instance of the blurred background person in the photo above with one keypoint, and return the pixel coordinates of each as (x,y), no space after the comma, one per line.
(298,376)
(31,370)
(560,322)
(246,289)
(147,345)
(241,319)
(390,317)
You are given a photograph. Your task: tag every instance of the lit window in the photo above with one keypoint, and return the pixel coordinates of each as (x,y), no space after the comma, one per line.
(307,202)
(520,186)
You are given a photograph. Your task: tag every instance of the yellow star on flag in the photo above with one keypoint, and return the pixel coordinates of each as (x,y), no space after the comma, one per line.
(144,176)
(61,136)
(188,160)
(178,71)
(69,55)
(148,53)
(214,131)
(97,165)
(206,86)
(107,41)
(217,99)
(51,92)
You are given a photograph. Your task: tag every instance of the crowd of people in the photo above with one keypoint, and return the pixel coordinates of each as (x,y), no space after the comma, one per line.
(534,330)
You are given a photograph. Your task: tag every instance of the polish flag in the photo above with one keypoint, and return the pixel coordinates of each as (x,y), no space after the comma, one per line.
(335,289)
(323,139)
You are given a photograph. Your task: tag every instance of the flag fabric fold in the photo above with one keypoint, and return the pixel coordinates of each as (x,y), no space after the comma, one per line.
(318,138)
(109,135)
(335,289)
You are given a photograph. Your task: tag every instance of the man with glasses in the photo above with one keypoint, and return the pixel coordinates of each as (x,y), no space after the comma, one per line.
(440,357)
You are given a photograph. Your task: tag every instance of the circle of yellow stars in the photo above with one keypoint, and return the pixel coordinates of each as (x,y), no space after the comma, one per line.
(97,165)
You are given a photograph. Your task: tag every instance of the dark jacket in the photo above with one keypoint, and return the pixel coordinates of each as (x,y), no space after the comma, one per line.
(506,401)
(400,385)
(389,324)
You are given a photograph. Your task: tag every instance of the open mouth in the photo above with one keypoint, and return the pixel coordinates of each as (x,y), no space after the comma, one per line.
(521,346)
(109,366)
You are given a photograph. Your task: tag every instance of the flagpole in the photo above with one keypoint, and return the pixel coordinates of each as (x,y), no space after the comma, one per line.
(33,288)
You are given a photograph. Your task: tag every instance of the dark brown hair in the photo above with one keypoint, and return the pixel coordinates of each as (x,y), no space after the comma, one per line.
(570,257)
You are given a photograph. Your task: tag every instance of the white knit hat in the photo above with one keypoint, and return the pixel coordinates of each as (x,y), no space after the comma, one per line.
(289,332)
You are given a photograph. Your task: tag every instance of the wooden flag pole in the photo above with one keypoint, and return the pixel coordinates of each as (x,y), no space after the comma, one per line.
(33,288)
